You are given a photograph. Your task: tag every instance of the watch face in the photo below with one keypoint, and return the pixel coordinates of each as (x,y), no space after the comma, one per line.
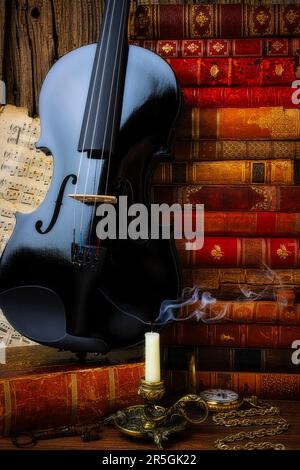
(219,395)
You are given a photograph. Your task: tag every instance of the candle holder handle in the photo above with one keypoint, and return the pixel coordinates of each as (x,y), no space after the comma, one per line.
(180,408)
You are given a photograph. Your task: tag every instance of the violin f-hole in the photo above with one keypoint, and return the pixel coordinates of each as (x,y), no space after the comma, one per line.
(58,204)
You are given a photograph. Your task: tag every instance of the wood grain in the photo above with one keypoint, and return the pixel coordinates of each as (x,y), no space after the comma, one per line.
(2,35)
(39,32)
(200,437)
(27,58)
(76,22)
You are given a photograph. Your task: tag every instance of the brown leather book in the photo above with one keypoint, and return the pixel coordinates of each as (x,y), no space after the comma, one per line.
(223,150)
(235,335)
(276,172)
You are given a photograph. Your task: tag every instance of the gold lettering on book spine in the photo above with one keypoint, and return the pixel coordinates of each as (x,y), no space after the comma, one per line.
(201,21)
(289,19)
(283,252)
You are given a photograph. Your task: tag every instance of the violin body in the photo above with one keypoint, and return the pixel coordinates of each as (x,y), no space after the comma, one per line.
(93,306)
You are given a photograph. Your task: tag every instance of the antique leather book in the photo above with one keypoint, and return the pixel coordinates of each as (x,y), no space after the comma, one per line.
(38,391)
(237,97)
(267,123)
(248,284)
(213,21)
(241,72)
(256,224)
(236,292)
(235,335)
(281,312)
(235,252)
(258,47)
(276,172)
(207,150)
(232,197)
(229,359)
(262,384)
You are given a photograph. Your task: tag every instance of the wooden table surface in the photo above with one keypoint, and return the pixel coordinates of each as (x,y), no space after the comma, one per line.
(197,438)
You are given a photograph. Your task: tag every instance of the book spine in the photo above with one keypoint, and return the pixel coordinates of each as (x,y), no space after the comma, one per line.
(209,150)
(272,224)
(193,48)
(84,396)
(230,359)
(213,21)
(232,252)
(244,72)
(267,123)
(231,335)
(276,172)
(237,97)
(265,385)
(232,198)
(252,312)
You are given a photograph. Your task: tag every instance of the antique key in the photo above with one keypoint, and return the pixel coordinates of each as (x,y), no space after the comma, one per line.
(87,433)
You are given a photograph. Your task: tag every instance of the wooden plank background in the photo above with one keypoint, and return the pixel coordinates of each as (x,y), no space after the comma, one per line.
(36,33)
(2,22)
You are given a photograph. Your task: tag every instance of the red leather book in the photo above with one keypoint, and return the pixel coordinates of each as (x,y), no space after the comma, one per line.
(78,395)
(235,335)
(239,97)
(234,72)
(232,197)
(262,384)
(213,21)
(251,224)
(267,123)
(233,252)
(258,47)
(207,150)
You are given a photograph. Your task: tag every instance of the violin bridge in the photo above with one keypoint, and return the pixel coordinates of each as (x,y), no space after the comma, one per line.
(94,198)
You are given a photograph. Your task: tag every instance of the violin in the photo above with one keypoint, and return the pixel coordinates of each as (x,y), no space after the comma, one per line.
(108,112)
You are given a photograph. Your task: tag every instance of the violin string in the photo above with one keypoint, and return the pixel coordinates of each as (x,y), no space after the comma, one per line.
(96,120)
(87,125)
(97,172)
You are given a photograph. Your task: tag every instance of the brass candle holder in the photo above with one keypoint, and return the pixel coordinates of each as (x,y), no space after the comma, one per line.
(151,420)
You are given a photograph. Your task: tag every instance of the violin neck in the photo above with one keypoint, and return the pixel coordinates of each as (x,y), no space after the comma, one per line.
(103,109)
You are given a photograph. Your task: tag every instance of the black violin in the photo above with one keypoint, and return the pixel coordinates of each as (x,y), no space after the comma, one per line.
(107,115)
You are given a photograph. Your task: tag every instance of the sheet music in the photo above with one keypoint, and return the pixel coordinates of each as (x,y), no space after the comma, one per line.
(25,176)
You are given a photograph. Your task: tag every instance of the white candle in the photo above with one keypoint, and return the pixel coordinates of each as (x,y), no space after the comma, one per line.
(152,357)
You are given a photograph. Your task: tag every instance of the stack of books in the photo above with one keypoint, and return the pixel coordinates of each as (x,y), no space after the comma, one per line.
(237,152)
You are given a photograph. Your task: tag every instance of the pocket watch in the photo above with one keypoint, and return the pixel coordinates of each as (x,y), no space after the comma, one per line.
(219,399)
